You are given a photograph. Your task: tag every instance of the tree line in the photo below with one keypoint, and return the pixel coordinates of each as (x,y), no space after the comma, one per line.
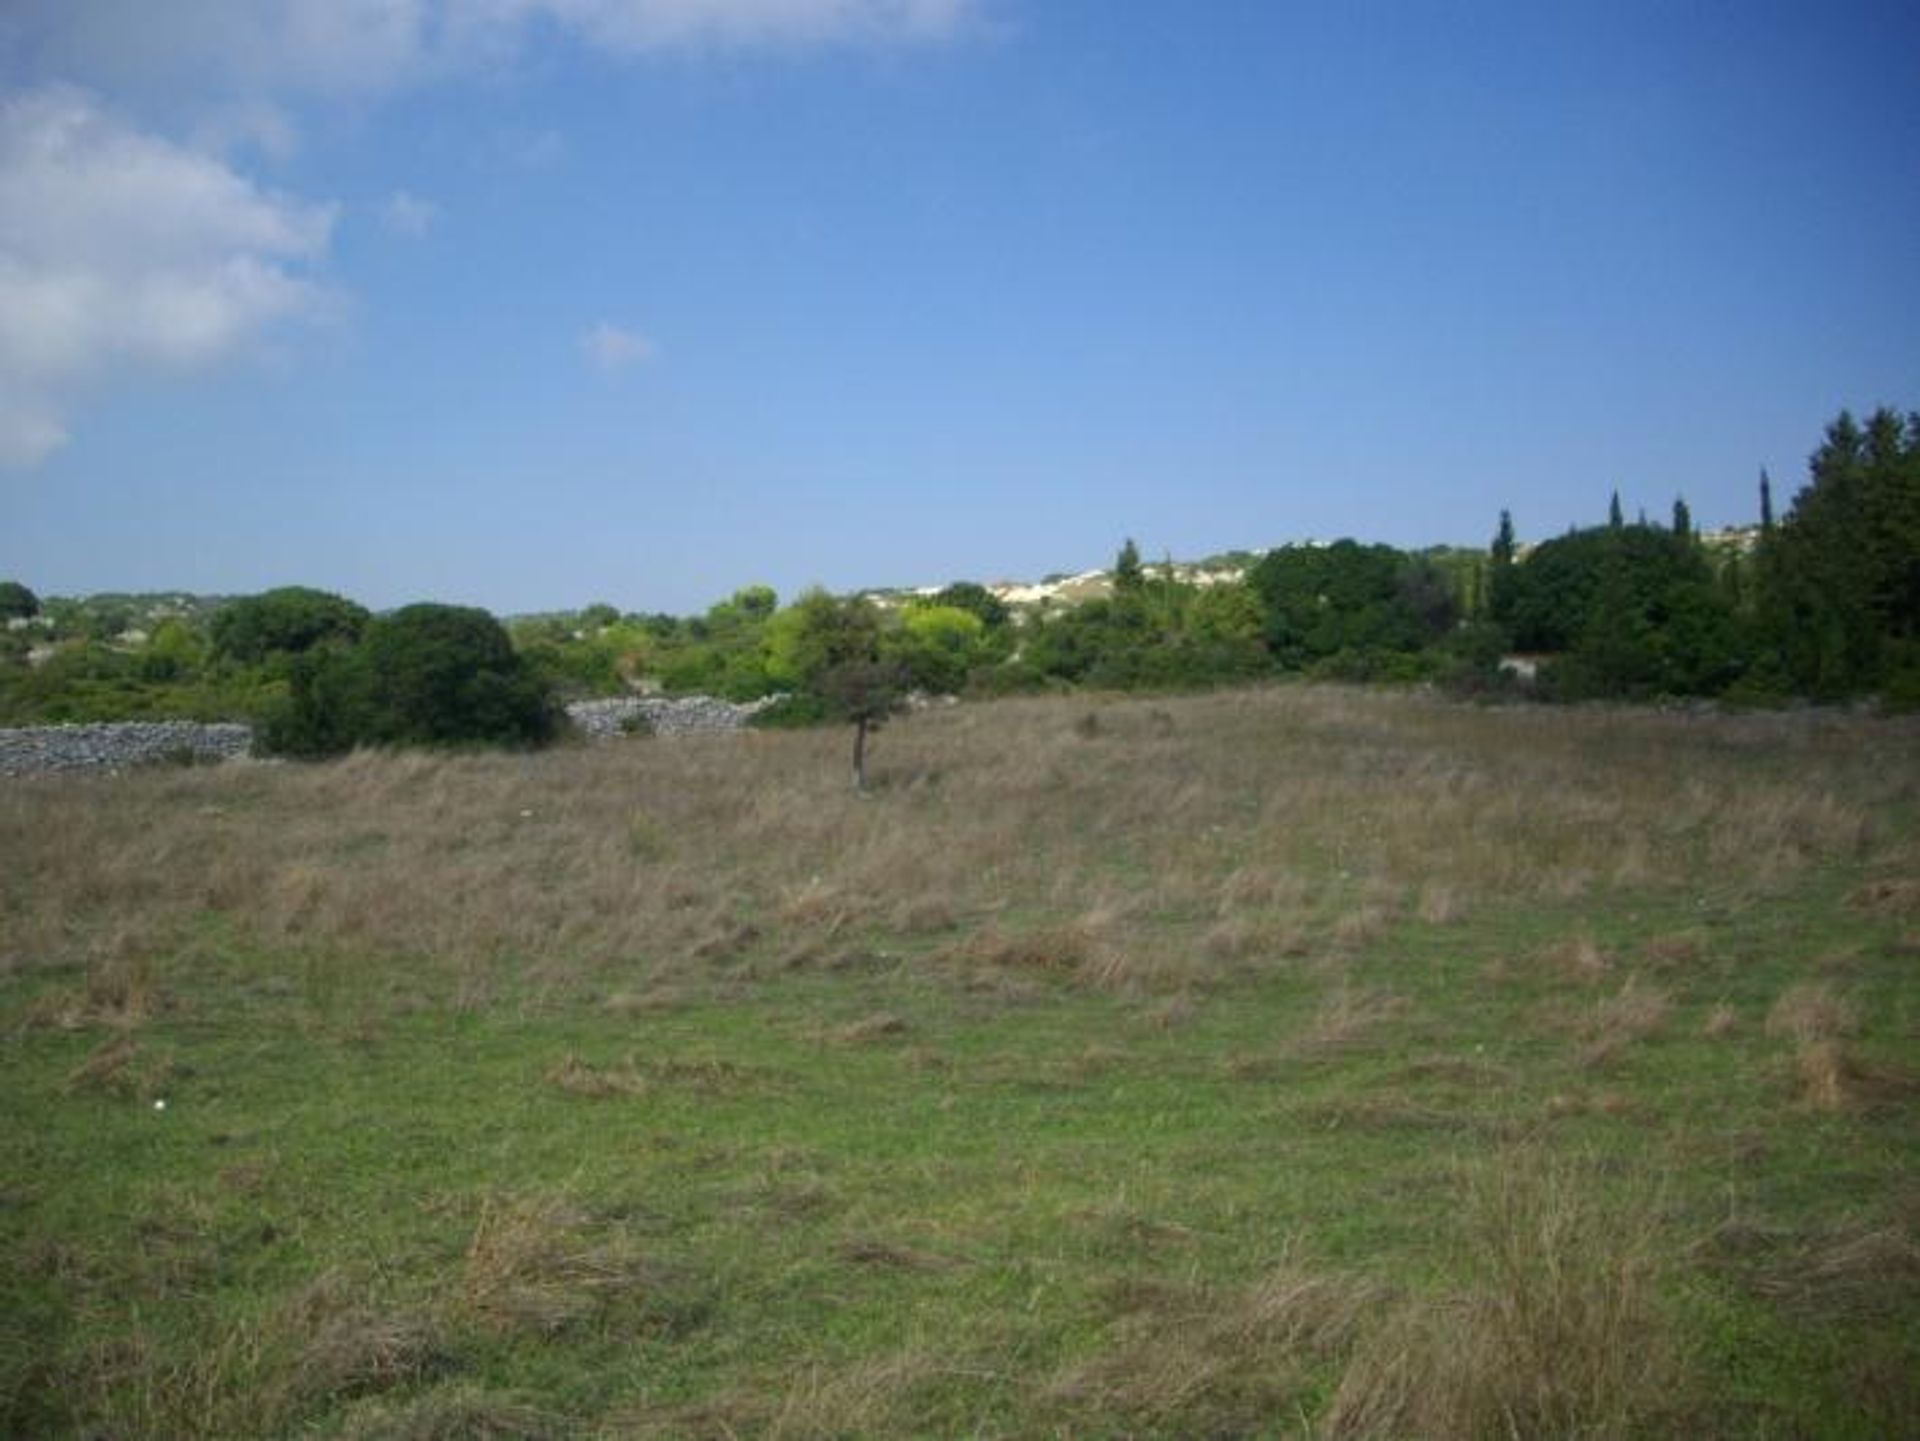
(1824,605)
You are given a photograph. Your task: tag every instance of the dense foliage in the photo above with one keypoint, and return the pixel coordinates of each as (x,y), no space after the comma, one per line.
(1823,602)
(427,674)
(17,600)
(288,621)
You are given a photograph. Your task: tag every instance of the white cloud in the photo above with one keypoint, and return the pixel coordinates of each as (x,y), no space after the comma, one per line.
(120,250)
(612,347)
(255,47)
(407,214)
(248,45)
(640,25)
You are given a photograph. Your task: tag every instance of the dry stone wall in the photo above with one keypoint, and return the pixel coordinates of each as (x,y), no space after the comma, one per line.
(661,715)
(116,746)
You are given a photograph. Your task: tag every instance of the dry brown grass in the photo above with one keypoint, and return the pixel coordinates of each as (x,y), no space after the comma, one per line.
(582,1078)
(1579,958)
(342,1346)
(1560,1333)
(874,1397)
(1184,1360)
(880,1026)
(1634,1013)
(535,1264)
(1812,1011)
(460,1411)
(1854,1272)
(1818,1019)
(1272,813)
(1344,1018)
(890,1255)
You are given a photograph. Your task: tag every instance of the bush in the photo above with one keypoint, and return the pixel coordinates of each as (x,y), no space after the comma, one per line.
(286,621)
(17,600)
(436,675)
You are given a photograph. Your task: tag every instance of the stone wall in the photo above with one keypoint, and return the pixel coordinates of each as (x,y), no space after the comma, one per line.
(661,715)
(116,746)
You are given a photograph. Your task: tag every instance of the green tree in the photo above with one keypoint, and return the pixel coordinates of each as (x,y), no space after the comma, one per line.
(1500,582)
(830,650)
(17,601)
(970,596)
(436,675)
(285,621)
(937,645)
(1629,611)
(173,653)
(1840,574)
(867,693)
(1129,576)
(1363,604)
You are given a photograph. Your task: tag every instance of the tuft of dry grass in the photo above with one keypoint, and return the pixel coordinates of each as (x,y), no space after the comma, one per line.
(1857,1272)
(118,992)
(1360,927)
(460,1411)
(1898,896)
(1675,950)
(120,1066)
(1722,1020)
(1810,1012)
(1559,1334)
(533,1264)
(1817,1019)
(1440,904)
(1345,1016)
(874,1397)
(342,1347)
(1631,1015)
(581,1078)
(880,1026)
(890,1255)
(1198,1361)
(1579,958)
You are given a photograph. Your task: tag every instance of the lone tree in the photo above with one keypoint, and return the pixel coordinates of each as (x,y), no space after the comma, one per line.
(832,650)
(868,693)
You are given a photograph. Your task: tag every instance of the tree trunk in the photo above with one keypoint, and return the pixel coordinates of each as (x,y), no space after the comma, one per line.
(860,755)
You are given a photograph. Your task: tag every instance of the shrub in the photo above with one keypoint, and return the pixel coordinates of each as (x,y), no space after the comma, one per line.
(425,675)
(287,621)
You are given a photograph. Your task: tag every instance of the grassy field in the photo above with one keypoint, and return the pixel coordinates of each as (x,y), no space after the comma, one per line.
(1298,1061)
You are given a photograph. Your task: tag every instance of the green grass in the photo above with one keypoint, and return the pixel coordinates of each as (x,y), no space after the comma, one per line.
(903,1190)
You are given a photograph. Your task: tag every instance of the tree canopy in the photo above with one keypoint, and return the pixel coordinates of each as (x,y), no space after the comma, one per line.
(284,621)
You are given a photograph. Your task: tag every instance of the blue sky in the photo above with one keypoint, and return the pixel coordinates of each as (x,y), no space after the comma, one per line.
(532,303)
